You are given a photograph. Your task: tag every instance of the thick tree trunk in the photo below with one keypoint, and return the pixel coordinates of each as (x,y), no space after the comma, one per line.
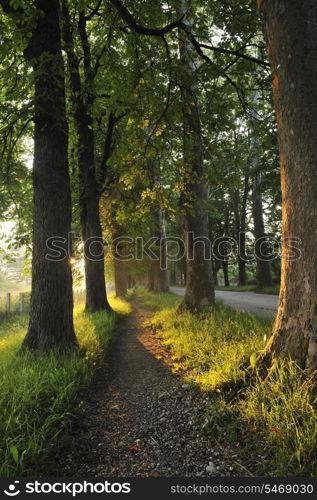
(291,31)
(199,280)
(120,277)
(51,314)
(242,277)
(96,295)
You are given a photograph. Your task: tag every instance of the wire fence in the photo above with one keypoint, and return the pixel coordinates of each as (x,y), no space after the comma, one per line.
(12,303)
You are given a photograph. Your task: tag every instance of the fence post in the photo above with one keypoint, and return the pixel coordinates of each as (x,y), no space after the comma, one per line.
(21,303)
(8,303)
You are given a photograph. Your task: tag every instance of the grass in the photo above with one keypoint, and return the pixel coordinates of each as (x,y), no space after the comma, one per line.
(270,290)
(282,410)
(211,350)
(210,347)
(39,393)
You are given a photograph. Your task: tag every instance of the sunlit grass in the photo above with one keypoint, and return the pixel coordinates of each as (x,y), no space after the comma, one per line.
(157,301)
(282,409)
(209,347)
(214,348)
(38,392)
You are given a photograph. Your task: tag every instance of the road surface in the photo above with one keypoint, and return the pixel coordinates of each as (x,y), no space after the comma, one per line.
(256,303)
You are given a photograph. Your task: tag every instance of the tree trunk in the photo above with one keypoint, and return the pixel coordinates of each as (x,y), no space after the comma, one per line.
(263,273)
(199,280)
(240,219)
(96,295)
(173,274)
(51,313)
(120,278)
(291,30)
(225,271)
(158,274)
(225,261)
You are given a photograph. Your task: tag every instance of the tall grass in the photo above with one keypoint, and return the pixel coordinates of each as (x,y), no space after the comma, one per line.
(38,392)
(213,348)
(282,409)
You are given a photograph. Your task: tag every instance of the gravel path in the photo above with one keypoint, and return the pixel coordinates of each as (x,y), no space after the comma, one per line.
(140,419)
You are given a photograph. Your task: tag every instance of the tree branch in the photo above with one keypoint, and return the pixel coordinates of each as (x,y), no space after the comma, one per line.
(234,53)
(221,71)
(143,30)
(94,11)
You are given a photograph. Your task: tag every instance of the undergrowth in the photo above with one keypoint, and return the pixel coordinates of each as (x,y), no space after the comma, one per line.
(38,392)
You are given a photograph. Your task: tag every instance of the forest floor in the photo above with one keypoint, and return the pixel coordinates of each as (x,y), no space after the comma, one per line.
(141,419)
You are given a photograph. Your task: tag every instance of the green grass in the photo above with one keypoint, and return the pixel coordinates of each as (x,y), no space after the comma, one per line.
(157,301)
(282,410)
(39,392)
(210,347)
(211,350)
(270,290)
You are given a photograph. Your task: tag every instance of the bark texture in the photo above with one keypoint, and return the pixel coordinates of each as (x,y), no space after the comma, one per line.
(291,30)
(120,278)
(199,280)
(51,314)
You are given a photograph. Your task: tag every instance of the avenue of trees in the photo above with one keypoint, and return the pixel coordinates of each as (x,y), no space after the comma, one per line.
(156,120)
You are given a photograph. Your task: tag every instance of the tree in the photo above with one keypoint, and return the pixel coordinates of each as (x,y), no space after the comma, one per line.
(82,99)
(291,31)
(199,280)
(51,319)
(263,273)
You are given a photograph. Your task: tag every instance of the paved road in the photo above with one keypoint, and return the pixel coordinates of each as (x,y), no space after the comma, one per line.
(256,303)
